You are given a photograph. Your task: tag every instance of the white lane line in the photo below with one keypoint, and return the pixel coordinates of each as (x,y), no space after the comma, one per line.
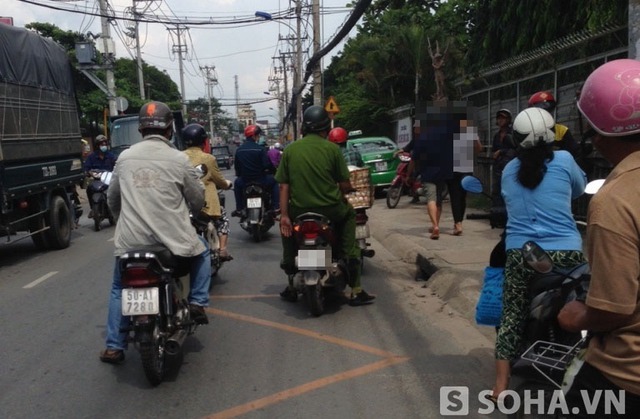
(41,279)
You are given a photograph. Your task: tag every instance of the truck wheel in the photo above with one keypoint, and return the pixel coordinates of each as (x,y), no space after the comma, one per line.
(39,239)
(60,223)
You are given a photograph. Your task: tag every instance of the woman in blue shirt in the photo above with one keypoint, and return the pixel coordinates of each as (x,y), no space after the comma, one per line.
(538,187)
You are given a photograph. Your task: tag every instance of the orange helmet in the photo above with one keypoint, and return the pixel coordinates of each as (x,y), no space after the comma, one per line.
(338,135)
(252,130)
(544,100)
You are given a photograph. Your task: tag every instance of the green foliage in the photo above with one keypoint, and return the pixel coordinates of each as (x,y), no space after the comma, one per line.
(383,66)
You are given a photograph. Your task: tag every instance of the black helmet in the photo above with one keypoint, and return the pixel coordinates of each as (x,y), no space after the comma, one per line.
(315,119)
(155,115)
(194,135)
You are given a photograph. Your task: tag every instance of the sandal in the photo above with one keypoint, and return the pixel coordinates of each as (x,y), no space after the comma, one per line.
(435,235)
(457,230)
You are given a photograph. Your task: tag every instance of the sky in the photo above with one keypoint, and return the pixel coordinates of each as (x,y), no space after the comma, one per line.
(224,34)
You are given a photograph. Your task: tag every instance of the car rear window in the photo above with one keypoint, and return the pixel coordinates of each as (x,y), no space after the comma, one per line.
(374,146)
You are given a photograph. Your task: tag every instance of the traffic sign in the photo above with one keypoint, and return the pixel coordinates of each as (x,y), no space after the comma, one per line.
(331,106)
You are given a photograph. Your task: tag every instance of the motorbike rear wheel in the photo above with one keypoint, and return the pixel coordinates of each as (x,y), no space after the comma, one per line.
(153,360)
(393,195)
(315,298)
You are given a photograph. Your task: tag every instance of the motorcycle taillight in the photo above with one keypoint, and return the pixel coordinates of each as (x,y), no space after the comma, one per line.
(308,231)
(139,276)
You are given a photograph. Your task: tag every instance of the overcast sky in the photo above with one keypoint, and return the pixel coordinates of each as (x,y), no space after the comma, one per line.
(236,43)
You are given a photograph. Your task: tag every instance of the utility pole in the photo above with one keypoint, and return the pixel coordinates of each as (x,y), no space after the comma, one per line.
(181,48)
(298,81)
(317,71)
(237,92)
(136,15)
(210,82)
(109,56)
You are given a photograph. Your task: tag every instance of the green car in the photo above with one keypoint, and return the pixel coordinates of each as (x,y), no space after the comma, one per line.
(376,154)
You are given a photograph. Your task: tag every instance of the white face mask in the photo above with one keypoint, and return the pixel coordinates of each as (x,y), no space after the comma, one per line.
(103,148)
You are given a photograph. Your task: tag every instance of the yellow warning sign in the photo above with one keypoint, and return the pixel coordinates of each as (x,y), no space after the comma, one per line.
(331,106)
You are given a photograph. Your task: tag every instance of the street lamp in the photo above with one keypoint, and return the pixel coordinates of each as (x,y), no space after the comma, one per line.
(298,66)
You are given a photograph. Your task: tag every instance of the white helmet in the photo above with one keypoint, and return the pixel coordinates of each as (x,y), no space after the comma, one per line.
(277,146)
(533,127)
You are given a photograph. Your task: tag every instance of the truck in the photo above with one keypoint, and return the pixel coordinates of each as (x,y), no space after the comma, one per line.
(40,140)
(123,132)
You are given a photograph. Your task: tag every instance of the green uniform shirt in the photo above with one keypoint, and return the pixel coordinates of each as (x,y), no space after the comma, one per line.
(312,167)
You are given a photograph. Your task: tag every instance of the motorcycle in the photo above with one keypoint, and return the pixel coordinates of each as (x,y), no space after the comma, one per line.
(152,296)
(207,230)
(362,234)
(319,272)
(548,349)
(97,189)
(258,217)
(403,183)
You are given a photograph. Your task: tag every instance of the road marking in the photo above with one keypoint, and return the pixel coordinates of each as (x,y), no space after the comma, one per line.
(41,279)
(305,388)
(388,360)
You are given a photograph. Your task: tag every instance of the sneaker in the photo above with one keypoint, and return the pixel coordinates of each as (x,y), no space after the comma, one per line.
(197,314)
(112,356)
(290,295)
(361,298)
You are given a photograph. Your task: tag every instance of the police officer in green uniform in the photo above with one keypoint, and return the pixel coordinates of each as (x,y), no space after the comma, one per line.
(313,176)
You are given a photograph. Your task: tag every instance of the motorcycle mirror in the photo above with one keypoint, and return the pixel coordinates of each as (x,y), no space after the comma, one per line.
(471,184)
(536,257)
(593,186)
(201,170)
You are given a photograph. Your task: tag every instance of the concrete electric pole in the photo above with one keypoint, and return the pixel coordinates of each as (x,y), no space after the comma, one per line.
(109,56)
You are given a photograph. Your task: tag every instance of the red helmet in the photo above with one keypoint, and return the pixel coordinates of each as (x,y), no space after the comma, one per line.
(610,98)
(252,130)
(544,100)
(338,135)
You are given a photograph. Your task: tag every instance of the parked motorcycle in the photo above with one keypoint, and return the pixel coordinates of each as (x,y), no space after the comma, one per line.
(257,218)
(319,271)
(152,296)
(403,183)
(97,189)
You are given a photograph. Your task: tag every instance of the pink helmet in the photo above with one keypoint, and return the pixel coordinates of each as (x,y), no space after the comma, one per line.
(610,98)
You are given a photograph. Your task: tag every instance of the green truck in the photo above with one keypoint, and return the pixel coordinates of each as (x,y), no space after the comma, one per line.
(40,140)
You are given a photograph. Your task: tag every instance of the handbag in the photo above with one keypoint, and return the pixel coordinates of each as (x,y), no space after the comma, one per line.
(489,307)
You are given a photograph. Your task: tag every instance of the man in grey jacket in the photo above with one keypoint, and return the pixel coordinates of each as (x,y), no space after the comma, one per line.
(152,190)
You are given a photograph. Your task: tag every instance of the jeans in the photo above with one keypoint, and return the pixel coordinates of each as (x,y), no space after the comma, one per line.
(200,278)
(268,182)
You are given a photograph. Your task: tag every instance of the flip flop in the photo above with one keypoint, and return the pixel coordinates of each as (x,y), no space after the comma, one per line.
(435,235)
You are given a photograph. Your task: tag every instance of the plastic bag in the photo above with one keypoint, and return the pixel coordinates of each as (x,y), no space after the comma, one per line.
(489,307)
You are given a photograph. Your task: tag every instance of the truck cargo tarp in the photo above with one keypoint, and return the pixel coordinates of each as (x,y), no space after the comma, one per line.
(46,65)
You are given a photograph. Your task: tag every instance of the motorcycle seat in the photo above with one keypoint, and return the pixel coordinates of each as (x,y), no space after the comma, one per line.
(160,253)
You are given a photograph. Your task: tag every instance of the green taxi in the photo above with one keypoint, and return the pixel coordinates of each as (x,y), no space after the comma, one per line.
(376,153)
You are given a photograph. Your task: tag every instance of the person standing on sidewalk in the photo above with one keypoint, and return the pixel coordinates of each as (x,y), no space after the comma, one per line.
(611,312)
(537,187)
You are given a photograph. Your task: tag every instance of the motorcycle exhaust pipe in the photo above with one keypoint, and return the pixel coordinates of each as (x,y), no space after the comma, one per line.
(174,343)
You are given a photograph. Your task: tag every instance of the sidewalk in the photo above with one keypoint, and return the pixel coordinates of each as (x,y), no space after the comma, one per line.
(453,266)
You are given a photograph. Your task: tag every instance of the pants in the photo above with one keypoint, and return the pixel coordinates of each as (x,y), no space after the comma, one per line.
(343,220)
(268,182)
(457,196)
(591,380)
(200,276)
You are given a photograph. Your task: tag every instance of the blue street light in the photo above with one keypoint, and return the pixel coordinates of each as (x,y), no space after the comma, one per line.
(264,15)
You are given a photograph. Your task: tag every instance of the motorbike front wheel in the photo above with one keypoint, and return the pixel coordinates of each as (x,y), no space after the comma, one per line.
(256,233)
(152,355)
(315,299)
(393,195)
(97,216)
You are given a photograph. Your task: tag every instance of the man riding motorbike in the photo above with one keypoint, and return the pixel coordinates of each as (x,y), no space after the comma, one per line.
(195,137)
(100,159)
(314,177)
(152,191)
(253,165)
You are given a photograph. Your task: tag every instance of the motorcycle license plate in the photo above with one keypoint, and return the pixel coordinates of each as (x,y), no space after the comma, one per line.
(254,202)
(140,301)
(309,259)
(362,232)
(381,166)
